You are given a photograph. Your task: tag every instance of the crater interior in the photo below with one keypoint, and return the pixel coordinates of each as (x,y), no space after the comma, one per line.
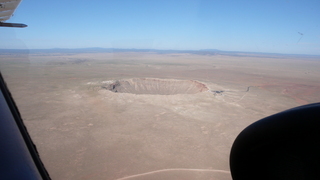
(156,86)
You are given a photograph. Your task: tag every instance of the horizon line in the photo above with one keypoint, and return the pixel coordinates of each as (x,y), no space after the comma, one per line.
(177,50)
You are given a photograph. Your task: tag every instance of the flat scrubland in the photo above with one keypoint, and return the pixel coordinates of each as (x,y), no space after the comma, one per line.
(83,130)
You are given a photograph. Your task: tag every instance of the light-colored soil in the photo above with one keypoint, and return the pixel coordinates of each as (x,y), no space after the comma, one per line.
(84,131)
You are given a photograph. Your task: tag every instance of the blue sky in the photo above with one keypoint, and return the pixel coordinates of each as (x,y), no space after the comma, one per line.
(248,25)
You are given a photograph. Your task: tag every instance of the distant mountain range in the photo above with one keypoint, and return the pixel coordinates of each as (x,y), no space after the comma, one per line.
(110,50)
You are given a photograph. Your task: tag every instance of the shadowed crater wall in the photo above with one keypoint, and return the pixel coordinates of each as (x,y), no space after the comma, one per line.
(156,86)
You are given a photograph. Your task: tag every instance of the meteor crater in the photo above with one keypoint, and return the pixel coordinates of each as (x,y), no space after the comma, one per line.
(155,86)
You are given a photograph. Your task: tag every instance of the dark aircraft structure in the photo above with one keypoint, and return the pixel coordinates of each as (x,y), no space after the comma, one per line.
(13,25)
(282,146)
(19,158)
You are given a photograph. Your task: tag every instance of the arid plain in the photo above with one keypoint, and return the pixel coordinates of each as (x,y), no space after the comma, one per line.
(147,115)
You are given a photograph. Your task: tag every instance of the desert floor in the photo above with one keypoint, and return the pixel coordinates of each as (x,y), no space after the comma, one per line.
(84,131)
